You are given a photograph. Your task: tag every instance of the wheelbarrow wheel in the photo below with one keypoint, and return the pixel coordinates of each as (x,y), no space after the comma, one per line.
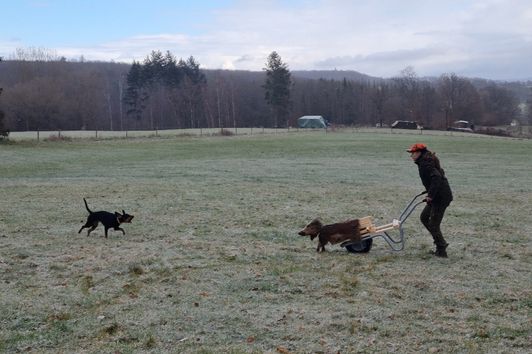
(360,247)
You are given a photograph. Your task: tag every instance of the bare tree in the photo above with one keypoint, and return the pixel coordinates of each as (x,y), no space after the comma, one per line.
(408,92)
(34,105)
(379,97)
(529,107)
(3,130)
(448,87)
(500,105)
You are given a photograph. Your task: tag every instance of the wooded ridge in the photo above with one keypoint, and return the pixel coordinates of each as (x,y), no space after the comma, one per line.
(60,94)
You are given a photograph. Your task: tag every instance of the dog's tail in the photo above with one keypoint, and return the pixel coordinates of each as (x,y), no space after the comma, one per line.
(87,206)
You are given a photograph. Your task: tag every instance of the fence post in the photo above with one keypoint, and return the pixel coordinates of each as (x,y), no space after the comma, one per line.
(96,133)
(38,135)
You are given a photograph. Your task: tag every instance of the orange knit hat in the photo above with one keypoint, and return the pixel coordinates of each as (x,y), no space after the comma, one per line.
(417,147)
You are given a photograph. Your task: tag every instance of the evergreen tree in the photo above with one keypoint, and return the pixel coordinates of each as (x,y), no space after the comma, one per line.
(135,96)
(193,87)
(277,88)
(154,80)
(154,68)
(173,75)
(193,72)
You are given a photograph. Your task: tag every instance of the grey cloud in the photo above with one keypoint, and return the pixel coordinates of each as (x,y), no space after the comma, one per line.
(245,58)
(502,66)
(395,56)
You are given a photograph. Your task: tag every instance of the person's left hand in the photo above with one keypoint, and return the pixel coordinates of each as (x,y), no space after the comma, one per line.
(428,200)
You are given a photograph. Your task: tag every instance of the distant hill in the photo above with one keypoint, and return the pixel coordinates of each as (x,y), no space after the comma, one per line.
(337,75)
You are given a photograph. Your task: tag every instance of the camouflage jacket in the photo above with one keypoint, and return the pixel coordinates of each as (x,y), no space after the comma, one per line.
(433,178)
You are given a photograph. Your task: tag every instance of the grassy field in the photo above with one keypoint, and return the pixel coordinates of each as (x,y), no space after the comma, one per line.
(212,262)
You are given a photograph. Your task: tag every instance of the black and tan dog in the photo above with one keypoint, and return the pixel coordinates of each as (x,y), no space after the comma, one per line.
(108,220)
(333,233)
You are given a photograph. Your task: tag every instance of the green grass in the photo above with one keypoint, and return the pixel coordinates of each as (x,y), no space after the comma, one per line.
(212,262)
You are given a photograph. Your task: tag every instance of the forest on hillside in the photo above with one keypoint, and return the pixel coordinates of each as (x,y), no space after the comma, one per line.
(163,92)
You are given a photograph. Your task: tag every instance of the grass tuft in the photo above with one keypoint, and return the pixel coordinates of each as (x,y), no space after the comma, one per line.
(86,283)
(135,269)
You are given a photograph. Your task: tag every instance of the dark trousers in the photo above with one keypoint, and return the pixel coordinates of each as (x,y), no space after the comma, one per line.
(431,217)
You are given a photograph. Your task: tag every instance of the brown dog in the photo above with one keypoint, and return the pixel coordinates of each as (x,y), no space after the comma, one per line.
(333,233)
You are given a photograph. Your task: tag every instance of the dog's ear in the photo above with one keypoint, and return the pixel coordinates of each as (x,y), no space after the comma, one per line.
(316,222)
(123,212)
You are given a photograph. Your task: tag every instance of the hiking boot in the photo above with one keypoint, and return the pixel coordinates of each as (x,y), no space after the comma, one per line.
(440,252)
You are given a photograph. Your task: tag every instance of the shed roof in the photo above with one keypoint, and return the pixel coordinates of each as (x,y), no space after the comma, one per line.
(311,117)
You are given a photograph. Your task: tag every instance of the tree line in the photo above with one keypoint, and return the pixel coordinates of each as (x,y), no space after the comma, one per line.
(43,92)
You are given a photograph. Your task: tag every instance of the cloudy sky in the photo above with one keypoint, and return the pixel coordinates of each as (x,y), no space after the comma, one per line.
(475,38)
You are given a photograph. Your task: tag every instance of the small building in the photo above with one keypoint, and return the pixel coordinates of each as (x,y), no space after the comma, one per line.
(312,122)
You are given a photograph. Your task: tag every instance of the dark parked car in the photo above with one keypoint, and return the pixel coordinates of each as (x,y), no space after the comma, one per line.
(404,124)
(462,126)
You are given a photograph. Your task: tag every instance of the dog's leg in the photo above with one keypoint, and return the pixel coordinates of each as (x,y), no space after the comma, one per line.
(91,229)
(87,224)
(121,229)
(106,231)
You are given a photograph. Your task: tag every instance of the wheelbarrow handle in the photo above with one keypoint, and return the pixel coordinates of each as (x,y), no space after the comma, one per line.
(411,206)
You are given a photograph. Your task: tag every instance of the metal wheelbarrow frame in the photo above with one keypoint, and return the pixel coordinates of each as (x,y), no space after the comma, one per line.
(369,231)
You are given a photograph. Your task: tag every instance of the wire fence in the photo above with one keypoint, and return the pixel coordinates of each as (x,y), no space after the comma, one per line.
(51,135)
(115,134)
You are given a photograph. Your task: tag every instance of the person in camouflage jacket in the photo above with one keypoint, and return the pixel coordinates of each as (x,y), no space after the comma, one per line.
(439,194)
